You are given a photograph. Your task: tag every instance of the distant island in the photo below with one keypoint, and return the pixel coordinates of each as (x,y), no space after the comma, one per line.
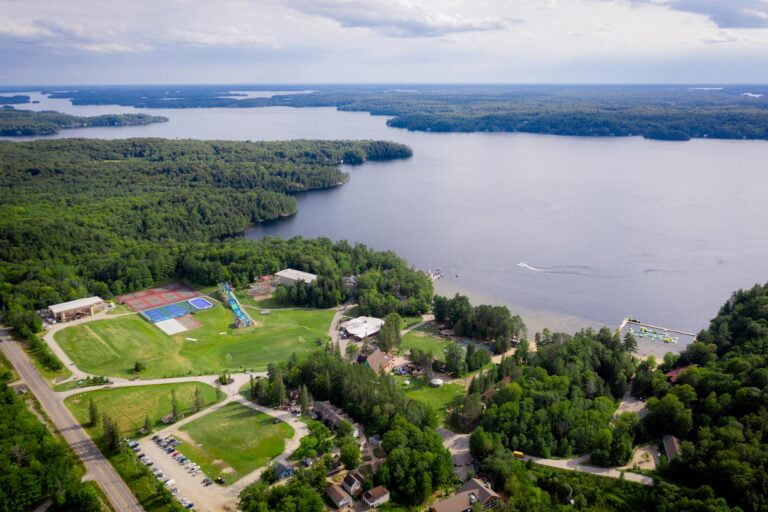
(20,123)
(14,100)
(676,112)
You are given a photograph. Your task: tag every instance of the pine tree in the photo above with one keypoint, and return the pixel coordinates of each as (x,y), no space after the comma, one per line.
(147,425)
(174,405)
(111,433)
(93,413)
(304,400)
(279,395)
(252,389)
(198,399)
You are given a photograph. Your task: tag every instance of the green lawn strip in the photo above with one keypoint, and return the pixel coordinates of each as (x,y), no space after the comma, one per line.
(48,374)
(424,338)
(128,406)
(111,347)
(435,397)
(410,321)
(233,441)
(248,301)
(119,309)
(143,484)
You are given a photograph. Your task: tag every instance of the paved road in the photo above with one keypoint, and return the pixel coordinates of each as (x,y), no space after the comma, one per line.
(97,466)
(580,464)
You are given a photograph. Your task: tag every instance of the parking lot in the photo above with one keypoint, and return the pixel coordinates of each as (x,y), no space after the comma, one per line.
(188,484)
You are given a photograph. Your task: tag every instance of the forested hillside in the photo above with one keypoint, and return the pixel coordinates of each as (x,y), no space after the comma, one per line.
(18,123)
(655,112)
(33,464)
(718,406)
(14,100)
(82,217)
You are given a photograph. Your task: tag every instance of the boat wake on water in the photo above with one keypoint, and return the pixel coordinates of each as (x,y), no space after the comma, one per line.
(572,270)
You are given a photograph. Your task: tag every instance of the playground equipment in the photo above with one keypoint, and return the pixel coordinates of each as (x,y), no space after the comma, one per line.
(243,320)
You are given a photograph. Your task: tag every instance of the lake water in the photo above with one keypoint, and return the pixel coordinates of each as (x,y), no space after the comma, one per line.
(567,231)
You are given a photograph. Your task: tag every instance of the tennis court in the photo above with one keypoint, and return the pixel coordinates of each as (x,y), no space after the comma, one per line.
(167,312)
(156,297)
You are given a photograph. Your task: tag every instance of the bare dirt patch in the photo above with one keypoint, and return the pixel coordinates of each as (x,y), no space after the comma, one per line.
(189,321)
(644,457)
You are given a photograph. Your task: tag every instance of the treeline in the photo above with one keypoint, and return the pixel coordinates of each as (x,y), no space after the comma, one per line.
(487,323)
(557,401)
(81,217)
(14,100)
(656,112)
(531,488)
(718,406)
(416,462)
(21,123)
(33,464)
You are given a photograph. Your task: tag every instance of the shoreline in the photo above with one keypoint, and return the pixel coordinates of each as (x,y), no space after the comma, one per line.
(535,320)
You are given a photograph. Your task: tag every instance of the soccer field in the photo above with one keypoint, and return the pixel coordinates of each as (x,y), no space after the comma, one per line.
(112,346)
(233,441)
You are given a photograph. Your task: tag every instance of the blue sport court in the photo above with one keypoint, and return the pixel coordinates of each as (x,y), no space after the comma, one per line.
(169,311)
(200,303)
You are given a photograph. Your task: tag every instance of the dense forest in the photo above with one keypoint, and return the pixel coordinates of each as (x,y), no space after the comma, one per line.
(557,401)
(656,112)
(718,406)
(18,123)
(85,217)
(33,464)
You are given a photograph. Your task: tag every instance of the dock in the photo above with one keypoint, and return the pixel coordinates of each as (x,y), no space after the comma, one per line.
(631,321)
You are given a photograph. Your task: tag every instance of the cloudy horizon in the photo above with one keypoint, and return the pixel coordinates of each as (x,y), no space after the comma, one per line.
(383,41)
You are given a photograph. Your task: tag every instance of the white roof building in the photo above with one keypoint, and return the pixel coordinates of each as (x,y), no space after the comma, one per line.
(66,310)
(75,304)
(289,276)
(363,326)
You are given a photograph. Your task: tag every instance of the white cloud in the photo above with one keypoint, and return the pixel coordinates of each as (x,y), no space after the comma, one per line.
(112,47)
(20,28)
(380,40)
(725,13)
(400,18)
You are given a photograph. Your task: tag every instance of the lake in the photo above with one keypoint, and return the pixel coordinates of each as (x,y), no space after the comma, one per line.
(567,231)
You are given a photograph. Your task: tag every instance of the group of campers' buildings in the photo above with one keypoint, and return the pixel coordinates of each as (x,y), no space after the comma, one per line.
(332,416)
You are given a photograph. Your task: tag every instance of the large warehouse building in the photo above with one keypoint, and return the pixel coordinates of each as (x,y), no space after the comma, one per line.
(73,309)
(290,276)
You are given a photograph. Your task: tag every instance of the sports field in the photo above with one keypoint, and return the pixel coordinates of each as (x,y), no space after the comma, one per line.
(233,441)
(112,346)
(425,339)
(436,398)
(129,405)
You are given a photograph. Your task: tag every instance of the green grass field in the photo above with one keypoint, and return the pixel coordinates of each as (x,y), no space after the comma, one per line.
(233,441)
(437,398)
(424,338)
(111,347)
(128,406)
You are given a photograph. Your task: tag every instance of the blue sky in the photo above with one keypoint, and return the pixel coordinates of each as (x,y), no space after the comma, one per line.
(316,41)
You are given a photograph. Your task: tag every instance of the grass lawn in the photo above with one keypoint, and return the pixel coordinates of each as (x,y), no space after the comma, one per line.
(111,347)
(233,441)
(437,398)
(128,406)
(249,302)
(424,338)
